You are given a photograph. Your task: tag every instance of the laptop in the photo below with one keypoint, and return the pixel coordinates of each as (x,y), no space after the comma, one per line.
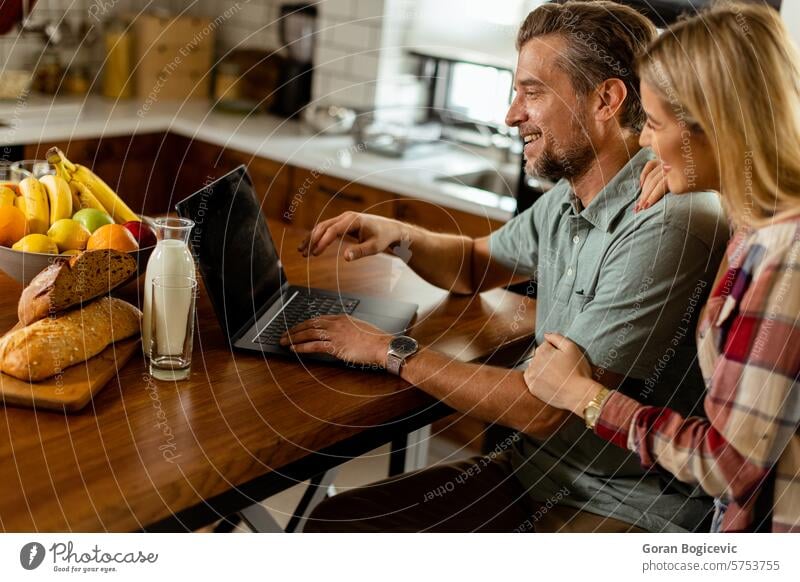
(245,281)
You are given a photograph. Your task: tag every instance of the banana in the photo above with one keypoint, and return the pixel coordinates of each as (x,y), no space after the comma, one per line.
(7,196)
(76,201)
(37,209)
(55,157)
(85,197)
(20,203)
(62,173)
(113,204)
(59,196)
(102,192)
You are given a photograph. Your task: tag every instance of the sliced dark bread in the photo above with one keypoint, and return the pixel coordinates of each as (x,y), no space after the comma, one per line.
(67,283)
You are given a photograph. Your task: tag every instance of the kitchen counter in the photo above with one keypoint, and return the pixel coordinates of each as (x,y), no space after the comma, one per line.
(275,138)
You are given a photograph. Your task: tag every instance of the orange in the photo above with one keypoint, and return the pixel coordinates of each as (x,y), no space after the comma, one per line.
(13,225)
(112,236)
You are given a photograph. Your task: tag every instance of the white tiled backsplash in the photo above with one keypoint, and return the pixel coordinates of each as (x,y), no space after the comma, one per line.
(359,56)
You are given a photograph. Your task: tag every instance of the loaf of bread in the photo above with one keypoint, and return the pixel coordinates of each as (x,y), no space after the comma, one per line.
(67,283)
(48,346)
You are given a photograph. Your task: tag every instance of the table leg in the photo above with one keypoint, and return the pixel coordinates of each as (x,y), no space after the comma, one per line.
(397,455)
(260,520)
(314,494)
(228,524)
(409,452)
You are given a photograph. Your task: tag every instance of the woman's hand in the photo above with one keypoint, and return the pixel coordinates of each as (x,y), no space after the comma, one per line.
(654,185)
(560,375)
(375,234)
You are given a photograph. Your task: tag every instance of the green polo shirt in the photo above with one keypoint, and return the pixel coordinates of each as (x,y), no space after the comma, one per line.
(627,288)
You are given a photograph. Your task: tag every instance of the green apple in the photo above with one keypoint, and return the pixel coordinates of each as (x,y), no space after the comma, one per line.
(92,219)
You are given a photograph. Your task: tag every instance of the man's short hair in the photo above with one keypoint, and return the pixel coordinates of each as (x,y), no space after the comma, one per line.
(603,41)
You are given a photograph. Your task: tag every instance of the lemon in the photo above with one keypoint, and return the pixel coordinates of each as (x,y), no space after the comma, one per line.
(69,234)
(71,253)
(36,243)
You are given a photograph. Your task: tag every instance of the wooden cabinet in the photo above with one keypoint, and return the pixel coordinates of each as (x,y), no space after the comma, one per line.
(152,172)
(201,162)
(196,164)
(441,219)
(140,168)
(79,151)
(315,197)
(272,181)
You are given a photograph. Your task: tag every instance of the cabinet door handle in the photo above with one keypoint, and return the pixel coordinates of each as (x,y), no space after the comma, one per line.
(341,195)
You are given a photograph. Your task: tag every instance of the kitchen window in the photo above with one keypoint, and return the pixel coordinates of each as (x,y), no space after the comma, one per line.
(464,93)
(479,93)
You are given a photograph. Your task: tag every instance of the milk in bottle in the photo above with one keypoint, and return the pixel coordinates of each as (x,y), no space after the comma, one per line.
(170,257)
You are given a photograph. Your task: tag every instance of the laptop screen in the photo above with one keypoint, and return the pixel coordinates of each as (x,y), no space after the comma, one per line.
(232,244)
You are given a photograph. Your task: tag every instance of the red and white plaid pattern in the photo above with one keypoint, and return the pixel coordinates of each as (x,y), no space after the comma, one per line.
(749,350)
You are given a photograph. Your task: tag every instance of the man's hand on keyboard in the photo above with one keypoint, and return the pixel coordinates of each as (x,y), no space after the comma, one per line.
(348,339)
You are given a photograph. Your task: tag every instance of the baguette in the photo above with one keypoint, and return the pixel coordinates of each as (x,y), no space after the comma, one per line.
(45,348)
(67,283)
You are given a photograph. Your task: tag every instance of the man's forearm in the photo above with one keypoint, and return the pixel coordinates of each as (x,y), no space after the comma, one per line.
(485,392)
(444,260)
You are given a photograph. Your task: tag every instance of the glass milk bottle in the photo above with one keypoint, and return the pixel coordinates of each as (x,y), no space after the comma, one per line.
(171,257)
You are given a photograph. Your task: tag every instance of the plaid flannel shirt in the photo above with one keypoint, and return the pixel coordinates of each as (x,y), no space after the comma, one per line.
(749,350)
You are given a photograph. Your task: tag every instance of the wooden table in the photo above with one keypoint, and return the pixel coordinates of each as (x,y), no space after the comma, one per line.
(162,456)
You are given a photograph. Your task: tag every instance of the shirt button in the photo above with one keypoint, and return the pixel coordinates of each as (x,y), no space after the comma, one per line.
(576,239)
(569,272)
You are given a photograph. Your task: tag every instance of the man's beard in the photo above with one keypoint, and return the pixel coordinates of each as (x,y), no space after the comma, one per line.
(557,162)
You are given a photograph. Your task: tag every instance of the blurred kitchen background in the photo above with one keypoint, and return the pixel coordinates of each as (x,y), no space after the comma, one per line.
(403,77)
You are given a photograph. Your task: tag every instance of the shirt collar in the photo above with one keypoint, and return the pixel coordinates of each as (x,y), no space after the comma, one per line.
(615,196)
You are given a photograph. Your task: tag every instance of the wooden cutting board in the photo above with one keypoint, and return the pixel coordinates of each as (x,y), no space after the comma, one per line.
(75,387)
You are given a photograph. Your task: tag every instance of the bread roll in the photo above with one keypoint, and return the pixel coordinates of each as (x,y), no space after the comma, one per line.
(67,283)
(44,348)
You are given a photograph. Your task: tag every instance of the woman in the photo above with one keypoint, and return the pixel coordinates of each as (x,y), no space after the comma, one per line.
(722,94)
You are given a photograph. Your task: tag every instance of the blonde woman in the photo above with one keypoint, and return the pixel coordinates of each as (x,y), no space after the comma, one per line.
(722,96)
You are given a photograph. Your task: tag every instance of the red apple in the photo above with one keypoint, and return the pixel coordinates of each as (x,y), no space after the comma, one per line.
(143,234)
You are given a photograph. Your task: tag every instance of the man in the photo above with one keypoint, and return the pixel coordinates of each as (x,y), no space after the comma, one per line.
(622,285)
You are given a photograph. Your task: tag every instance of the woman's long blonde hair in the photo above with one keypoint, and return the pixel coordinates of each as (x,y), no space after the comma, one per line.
(733,72)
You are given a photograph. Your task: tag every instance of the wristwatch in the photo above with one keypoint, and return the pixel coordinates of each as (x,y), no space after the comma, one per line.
(592,411)
(401,348)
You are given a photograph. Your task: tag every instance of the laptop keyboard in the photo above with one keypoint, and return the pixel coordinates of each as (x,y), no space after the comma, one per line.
(302,308)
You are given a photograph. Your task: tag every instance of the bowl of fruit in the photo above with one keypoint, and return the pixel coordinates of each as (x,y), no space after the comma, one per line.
(48,219)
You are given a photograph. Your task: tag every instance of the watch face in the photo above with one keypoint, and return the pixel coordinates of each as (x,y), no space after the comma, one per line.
(403,345)
(590,415)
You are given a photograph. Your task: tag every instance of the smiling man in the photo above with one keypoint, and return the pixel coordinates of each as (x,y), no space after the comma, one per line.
(620,284)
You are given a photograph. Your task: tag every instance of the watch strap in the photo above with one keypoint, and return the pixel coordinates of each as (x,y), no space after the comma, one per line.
(394,363)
